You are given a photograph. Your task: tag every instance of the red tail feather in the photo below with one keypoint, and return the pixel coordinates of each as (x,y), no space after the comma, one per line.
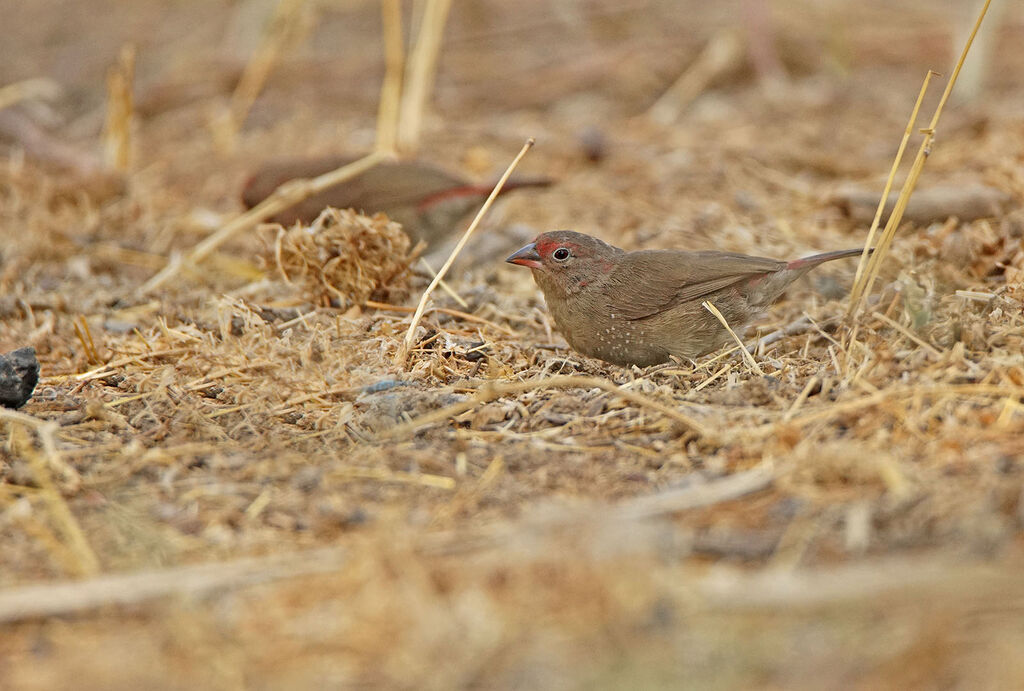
(814,260)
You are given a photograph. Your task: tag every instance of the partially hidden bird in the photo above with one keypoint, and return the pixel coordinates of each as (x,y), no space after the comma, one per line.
(427,201)
(638,308)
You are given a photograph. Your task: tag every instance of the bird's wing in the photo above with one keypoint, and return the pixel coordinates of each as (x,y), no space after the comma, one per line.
(648,282)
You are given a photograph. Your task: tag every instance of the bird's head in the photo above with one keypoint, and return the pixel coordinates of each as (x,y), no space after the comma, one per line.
(567,261)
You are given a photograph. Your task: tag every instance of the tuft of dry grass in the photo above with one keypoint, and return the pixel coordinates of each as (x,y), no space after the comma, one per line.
(345,258)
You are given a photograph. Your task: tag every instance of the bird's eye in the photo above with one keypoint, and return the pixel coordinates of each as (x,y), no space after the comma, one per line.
(561,254)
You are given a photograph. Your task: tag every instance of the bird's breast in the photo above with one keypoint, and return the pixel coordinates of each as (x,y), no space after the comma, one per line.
(594,329)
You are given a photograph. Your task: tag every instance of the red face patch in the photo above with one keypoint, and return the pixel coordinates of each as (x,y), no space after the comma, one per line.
(545,246)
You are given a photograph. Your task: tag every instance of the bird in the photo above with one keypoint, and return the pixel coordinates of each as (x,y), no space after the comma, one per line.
(639,308)
(427,201)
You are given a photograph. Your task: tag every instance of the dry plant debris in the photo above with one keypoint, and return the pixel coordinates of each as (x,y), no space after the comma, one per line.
(345,258)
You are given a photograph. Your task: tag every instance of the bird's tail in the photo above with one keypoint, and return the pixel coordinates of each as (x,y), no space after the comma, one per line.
(807,263)
(772,285)
(512,183)
(474,191)
(520,183)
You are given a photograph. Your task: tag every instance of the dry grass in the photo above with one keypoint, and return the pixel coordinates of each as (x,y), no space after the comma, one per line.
(410,334)
(258,496)
(345,259)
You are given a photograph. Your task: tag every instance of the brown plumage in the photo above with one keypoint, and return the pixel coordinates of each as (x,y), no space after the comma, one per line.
(638,308)
(427,201)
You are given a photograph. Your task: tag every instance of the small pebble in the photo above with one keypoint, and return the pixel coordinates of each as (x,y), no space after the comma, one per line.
(19,374)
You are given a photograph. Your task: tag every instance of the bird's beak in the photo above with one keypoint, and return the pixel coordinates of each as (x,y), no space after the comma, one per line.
(527,256)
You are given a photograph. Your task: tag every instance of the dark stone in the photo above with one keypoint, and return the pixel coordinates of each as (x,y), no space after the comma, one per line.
(19,373)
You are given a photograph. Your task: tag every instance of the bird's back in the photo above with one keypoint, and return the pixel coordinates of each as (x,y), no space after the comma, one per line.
(655,299)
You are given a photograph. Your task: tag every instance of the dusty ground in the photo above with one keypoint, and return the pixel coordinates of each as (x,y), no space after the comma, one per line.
(851,519)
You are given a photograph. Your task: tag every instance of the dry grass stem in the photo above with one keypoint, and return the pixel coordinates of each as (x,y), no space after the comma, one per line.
(388,108)
(977,295)
(384,307)
(284,28)
(110,367)
(834,410)
(419,77)
(403,351)
(117,128)
(443,285)
(804,393)
(908,333)
(863,287)
(727,488)
(385,475)
(85,562)
(713,378)
(84,335)
(744,353)
(28,90)
(890,579)
(855,292)
(723,54)
(195,580)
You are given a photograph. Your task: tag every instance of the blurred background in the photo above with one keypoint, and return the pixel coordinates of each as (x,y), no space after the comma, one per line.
(817,91)
(641,98)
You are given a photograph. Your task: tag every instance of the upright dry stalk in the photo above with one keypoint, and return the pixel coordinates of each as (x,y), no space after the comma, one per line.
(403,351)
(866,254)
(862,288)
(394,64)
(722,54)
(117,127)
(281,30)
(419,78)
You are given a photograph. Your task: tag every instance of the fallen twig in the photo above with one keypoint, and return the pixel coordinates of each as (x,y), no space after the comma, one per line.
(73,597)
(702,494)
